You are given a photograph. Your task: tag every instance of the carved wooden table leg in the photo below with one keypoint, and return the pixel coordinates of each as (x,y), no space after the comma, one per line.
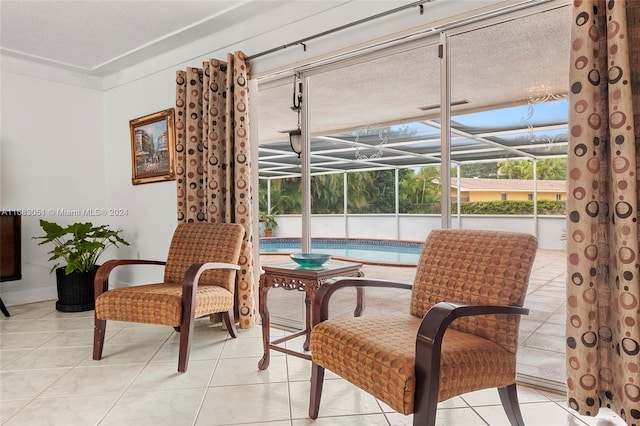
(308,302)
(290,276)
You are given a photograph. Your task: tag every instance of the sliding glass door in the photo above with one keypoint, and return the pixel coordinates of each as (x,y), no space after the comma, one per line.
(379,169)
(368,139)
(509,84)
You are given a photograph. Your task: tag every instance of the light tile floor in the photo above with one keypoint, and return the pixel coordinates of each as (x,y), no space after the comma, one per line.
(47,377)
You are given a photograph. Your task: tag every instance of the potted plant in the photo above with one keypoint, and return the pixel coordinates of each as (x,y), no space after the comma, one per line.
(79,245)
(269,220)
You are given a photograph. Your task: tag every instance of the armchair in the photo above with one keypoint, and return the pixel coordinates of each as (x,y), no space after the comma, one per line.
(460,335)
(199,280)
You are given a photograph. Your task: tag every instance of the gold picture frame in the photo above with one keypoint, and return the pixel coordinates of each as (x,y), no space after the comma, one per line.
(153,147)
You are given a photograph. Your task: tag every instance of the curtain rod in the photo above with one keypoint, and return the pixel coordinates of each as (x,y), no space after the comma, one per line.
(342,27)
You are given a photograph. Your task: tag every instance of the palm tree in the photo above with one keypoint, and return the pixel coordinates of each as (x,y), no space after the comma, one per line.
(418,190)
(327,193)
(371,192)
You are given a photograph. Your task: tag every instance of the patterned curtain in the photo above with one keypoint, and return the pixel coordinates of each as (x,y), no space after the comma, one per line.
(213,154)
(603,279)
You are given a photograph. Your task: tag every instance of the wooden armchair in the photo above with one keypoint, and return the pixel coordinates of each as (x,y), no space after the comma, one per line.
(199,280)
(461,333)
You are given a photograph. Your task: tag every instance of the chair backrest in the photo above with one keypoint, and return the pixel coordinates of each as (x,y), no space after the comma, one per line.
(476,267)
(204,242)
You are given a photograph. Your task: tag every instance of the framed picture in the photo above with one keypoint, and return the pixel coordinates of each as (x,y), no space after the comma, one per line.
(152,147)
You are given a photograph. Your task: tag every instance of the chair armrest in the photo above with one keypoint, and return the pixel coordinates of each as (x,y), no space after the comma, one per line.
(101,282)
(323,295)
(195,270)
(441,315)
(430,334)
(190,283)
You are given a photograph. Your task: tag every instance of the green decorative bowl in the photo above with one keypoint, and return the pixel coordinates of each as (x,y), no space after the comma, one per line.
(310,260)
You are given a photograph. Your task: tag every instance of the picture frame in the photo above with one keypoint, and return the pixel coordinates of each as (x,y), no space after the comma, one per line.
(153,147)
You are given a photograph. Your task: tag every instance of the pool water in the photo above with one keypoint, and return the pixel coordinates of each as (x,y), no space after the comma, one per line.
(366,250)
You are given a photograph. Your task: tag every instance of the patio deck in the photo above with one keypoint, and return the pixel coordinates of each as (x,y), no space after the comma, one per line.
(541,357)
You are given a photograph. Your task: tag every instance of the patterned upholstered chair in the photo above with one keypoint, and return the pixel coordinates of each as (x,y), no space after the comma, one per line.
(199,280)
(461,333)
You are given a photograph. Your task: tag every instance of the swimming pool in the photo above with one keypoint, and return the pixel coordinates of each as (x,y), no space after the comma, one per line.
(363,250)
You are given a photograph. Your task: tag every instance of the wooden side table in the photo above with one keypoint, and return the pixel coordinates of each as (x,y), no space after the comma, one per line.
(291,276)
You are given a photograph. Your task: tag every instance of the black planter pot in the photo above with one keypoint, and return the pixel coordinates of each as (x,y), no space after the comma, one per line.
(75,291)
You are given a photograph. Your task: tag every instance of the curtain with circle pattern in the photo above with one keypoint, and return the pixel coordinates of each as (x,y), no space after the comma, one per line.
(603,278)
(213,170)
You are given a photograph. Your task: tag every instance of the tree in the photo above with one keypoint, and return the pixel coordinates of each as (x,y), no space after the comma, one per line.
(552,169)
(418,190)
(479,170)
(285,195)
(327,194)
(515,169)
(547,169)
(371,192)
(374,191)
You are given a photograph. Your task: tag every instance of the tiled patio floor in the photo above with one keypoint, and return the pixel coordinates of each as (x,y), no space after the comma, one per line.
(541,354)
(47,376)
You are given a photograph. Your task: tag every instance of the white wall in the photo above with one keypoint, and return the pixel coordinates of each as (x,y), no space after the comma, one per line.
(151,214)
(52,159)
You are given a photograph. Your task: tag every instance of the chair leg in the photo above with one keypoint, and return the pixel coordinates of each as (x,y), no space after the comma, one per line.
(186,331)
(509,399)
(98,338)
(425,414)
(317,379)
(425,402)
(185,346)
(230,322)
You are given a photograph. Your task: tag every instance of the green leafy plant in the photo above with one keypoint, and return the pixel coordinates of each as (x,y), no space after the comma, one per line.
(79,244)
(269,219)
